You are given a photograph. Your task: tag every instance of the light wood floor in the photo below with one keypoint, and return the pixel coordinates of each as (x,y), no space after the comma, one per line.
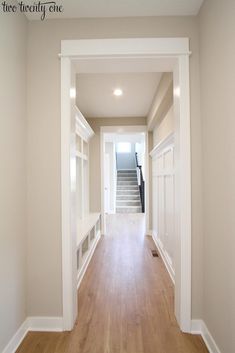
(125,301)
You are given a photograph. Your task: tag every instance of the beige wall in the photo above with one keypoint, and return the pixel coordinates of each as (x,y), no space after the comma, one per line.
(95,173)
(13,38)
(44,227)
(212,262)
(162,101)
(165,128)
(217,33)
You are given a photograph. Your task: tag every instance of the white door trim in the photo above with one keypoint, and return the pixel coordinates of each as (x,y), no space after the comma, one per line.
(174,51)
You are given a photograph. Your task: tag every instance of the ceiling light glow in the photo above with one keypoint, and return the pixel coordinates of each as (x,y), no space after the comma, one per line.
(118,92)
(72,93)
(177,91)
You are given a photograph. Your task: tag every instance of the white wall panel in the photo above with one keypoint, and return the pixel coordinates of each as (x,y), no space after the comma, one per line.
(163,201)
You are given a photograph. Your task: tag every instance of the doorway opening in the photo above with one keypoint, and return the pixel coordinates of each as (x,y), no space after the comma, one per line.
(130,55)
(124,162)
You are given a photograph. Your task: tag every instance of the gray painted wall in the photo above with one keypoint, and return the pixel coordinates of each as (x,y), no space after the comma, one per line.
(126,160)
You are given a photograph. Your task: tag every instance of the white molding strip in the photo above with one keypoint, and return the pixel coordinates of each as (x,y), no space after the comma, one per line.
(198,327)
(87,260)
(165,143)
(83,129)
(48,324)
(149,233)
(17,338)
(43,324)
(164,257)
(134,46)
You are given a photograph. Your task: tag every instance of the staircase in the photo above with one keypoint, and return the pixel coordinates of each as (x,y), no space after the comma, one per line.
(128,195)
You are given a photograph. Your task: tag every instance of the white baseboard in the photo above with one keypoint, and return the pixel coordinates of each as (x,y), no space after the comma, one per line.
(54,324)
(88,259)
(164,257)
(199,327)
(196,327)
(51,324)
(17,338)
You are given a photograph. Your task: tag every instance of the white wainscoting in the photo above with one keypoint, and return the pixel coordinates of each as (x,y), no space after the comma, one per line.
(163,204)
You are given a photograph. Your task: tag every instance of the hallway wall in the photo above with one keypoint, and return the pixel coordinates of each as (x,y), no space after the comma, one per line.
(165,127)
(44,205)
(13,39)
(217,58)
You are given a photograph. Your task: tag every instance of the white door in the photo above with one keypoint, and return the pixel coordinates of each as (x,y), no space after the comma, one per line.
(107,183)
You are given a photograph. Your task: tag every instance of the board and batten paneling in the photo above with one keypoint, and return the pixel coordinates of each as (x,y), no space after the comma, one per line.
(163,209)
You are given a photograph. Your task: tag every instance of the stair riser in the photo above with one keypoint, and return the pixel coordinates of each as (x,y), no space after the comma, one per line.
(128,197)
(126,170)
(128,203)
(127,183)
(127,179)
(127,189)
(128,210)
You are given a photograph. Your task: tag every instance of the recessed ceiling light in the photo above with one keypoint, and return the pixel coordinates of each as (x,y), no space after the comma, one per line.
(118,92)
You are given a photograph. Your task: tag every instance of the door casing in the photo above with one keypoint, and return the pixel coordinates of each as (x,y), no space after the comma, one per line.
(130,54)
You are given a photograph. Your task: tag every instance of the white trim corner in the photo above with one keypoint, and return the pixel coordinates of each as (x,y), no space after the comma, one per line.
(17,338)
(42,324)
(198,327)
(165,260)
(45,324)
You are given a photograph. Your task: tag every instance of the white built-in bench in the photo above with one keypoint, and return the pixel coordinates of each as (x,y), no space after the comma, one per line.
(88,235)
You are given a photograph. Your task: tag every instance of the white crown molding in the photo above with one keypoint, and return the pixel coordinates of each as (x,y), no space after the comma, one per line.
(165,143)
(83,129)
(198,327)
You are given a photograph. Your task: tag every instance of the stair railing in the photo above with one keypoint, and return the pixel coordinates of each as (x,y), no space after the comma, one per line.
(141,182)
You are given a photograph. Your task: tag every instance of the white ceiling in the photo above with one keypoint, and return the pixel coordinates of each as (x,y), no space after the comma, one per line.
(95,94)
(121,8)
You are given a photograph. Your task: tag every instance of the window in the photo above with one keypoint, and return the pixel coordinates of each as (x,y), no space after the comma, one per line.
(124,147)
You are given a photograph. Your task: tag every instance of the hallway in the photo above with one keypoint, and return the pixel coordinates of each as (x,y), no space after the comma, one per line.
(125,301)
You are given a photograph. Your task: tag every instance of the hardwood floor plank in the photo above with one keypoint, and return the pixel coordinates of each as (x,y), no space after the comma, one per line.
(125,301)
